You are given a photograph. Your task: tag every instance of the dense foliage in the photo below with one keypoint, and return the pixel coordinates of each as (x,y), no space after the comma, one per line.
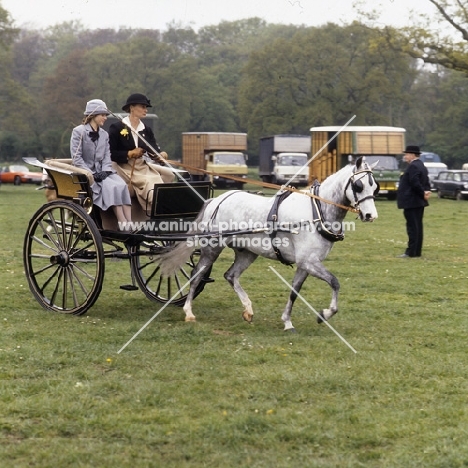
(246,76)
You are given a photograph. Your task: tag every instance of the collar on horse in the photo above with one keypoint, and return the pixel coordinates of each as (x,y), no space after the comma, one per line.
(317,217)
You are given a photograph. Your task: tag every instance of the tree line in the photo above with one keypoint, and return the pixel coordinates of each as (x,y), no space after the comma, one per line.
(241,76)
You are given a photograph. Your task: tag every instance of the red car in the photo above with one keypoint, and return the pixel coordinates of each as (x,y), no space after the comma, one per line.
(16,174)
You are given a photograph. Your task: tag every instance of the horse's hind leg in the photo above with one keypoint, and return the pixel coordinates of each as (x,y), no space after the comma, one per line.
(207,257)
(243,259)
(297,283)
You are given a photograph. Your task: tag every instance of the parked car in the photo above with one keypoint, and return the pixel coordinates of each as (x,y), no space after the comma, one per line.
(16,174)
(433,169)
(452,184)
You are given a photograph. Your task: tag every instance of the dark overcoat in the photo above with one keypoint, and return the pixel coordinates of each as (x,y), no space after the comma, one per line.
(413,183)
(140,174)
(121,141)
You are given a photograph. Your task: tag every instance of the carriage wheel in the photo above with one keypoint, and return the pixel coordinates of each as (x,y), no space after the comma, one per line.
(145,267)
(64,258)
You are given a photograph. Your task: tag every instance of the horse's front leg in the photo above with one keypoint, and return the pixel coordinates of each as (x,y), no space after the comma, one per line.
(297,283)
(317,270)
(331,279)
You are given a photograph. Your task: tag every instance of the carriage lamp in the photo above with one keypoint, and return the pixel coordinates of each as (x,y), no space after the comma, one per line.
(84,201)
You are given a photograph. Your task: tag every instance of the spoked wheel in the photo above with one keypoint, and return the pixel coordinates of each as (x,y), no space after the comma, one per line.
(146,269)
(64,258)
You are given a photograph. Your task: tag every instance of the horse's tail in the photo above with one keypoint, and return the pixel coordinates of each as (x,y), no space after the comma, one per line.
(171,260)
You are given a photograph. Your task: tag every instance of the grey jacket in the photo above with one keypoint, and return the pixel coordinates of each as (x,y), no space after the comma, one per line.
(87,154)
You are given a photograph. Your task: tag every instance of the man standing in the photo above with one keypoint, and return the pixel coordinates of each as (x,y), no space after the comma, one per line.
(413,192)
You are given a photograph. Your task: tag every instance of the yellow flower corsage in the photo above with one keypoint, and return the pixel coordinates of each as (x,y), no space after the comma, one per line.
(124,132)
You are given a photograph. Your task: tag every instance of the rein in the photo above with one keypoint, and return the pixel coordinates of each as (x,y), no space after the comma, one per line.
(165,162)
(268,185)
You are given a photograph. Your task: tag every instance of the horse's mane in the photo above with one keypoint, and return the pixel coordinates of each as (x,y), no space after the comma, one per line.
(333,188)
(333,179)
(344,172)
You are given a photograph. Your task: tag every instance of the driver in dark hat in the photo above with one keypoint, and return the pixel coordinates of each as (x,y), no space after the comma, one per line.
(133,144)
(413,192)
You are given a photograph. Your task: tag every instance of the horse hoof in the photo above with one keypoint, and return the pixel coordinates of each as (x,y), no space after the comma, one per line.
(291,330)
(190,319)
(247,317)
(320,318)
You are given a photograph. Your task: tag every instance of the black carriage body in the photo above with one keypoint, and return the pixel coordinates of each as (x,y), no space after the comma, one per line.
(180,200)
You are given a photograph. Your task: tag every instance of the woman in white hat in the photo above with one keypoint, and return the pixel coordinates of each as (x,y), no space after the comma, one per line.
(89,148)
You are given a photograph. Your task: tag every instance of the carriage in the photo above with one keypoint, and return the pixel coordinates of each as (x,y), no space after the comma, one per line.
(68,241)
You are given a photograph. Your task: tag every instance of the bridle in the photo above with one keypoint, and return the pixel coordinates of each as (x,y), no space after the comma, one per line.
(357,186)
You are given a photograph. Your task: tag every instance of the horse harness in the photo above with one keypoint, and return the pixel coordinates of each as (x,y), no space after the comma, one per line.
(317,217)
(357,186)
(317,214)
(272,218)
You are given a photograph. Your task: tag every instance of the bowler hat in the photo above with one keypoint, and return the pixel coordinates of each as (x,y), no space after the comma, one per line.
(136,98)
(412,149)
(96,107)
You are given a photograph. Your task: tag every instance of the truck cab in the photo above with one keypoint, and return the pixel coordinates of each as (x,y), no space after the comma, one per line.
(228,163)
(387,173)
(290,167)
(283,159)
(212,155)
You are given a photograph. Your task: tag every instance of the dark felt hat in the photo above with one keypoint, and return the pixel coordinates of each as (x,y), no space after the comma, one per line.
(136,98)
(412,149)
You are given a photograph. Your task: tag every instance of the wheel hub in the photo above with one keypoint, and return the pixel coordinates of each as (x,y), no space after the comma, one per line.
(61,259)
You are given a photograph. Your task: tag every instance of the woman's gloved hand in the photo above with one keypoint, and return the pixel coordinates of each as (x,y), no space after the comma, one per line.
(100,176)
(135,153)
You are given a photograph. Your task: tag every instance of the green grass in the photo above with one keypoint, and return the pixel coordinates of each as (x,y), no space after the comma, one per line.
(222,393)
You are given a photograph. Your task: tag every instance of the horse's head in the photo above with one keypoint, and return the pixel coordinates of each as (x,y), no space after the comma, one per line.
(361,190)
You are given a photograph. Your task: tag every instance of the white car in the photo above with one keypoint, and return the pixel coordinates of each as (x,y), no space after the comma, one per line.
(433,168)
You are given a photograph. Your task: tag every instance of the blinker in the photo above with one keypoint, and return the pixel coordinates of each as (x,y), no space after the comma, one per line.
(358,186)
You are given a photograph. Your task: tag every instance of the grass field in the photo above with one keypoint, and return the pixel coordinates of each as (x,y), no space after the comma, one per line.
(222,393)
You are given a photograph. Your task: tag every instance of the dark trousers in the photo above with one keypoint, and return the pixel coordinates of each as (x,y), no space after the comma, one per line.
(414,228)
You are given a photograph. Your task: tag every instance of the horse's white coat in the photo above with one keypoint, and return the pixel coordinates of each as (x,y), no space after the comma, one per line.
(307,249)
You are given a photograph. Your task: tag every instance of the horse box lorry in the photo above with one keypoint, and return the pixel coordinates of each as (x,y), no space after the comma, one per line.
(334,147)
(216,153)
(283,159)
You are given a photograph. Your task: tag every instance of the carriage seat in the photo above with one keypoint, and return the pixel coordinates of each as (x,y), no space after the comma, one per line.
(67,165)
(108,218)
